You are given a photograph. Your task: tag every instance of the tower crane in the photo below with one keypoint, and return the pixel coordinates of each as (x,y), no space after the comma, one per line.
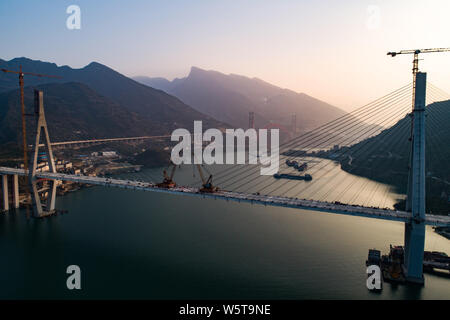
(22,105)
(416,53)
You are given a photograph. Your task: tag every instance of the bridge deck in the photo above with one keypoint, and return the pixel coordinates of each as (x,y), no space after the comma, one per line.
(354,210)
(63,143)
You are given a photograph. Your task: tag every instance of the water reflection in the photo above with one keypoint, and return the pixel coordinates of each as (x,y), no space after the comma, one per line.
(149,245)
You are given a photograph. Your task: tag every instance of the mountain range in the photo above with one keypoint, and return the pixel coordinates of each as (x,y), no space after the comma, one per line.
(113,105)
(230,98)
(74,111)
(109,95)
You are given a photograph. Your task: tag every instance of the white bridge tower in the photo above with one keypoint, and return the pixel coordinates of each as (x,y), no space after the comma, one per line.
(41,127)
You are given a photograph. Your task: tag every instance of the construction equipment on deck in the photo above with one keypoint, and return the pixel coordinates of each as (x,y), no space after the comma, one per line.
(168,180)
(207,186)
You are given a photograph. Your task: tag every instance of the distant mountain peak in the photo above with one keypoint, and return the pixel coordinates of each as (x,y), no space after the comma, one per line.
(94,64)
(19,59)
(196,71)
(160,108)
(28,61)
(97,66)
(230,97)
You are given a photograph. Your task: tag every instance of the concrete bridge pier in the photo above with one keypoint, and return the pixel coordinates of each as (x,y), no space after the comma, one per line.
(415,229)
(5,192)
(16,194)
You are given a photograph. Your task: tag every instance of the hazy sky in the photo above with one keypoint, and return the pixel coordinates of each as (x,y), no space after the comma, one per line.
(334,50)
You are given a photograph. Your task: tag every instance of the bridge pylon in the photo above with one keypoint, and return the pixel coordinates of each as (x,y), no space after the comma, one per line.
(41,128)
(415,202)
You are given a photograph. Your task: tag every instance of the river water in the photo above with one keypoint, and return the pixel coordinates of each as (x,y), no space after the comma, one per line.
(142,245)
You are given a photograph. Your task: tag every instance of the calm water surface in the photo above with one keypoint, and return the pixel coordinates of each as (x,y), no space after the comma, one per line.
(132,244)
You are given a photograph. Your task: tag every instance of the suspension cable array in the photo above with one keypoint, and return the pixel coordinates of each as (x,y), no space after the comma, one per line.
(358,158)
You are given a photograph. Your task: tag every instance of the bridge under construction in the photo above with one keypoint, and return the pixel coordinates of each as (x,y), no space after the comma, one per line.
(350,130)
(386,214)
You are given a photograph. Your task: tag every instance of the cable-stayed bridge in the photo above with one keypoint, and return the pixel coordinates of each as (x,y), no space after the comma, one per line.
(386,214)
(371,137)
